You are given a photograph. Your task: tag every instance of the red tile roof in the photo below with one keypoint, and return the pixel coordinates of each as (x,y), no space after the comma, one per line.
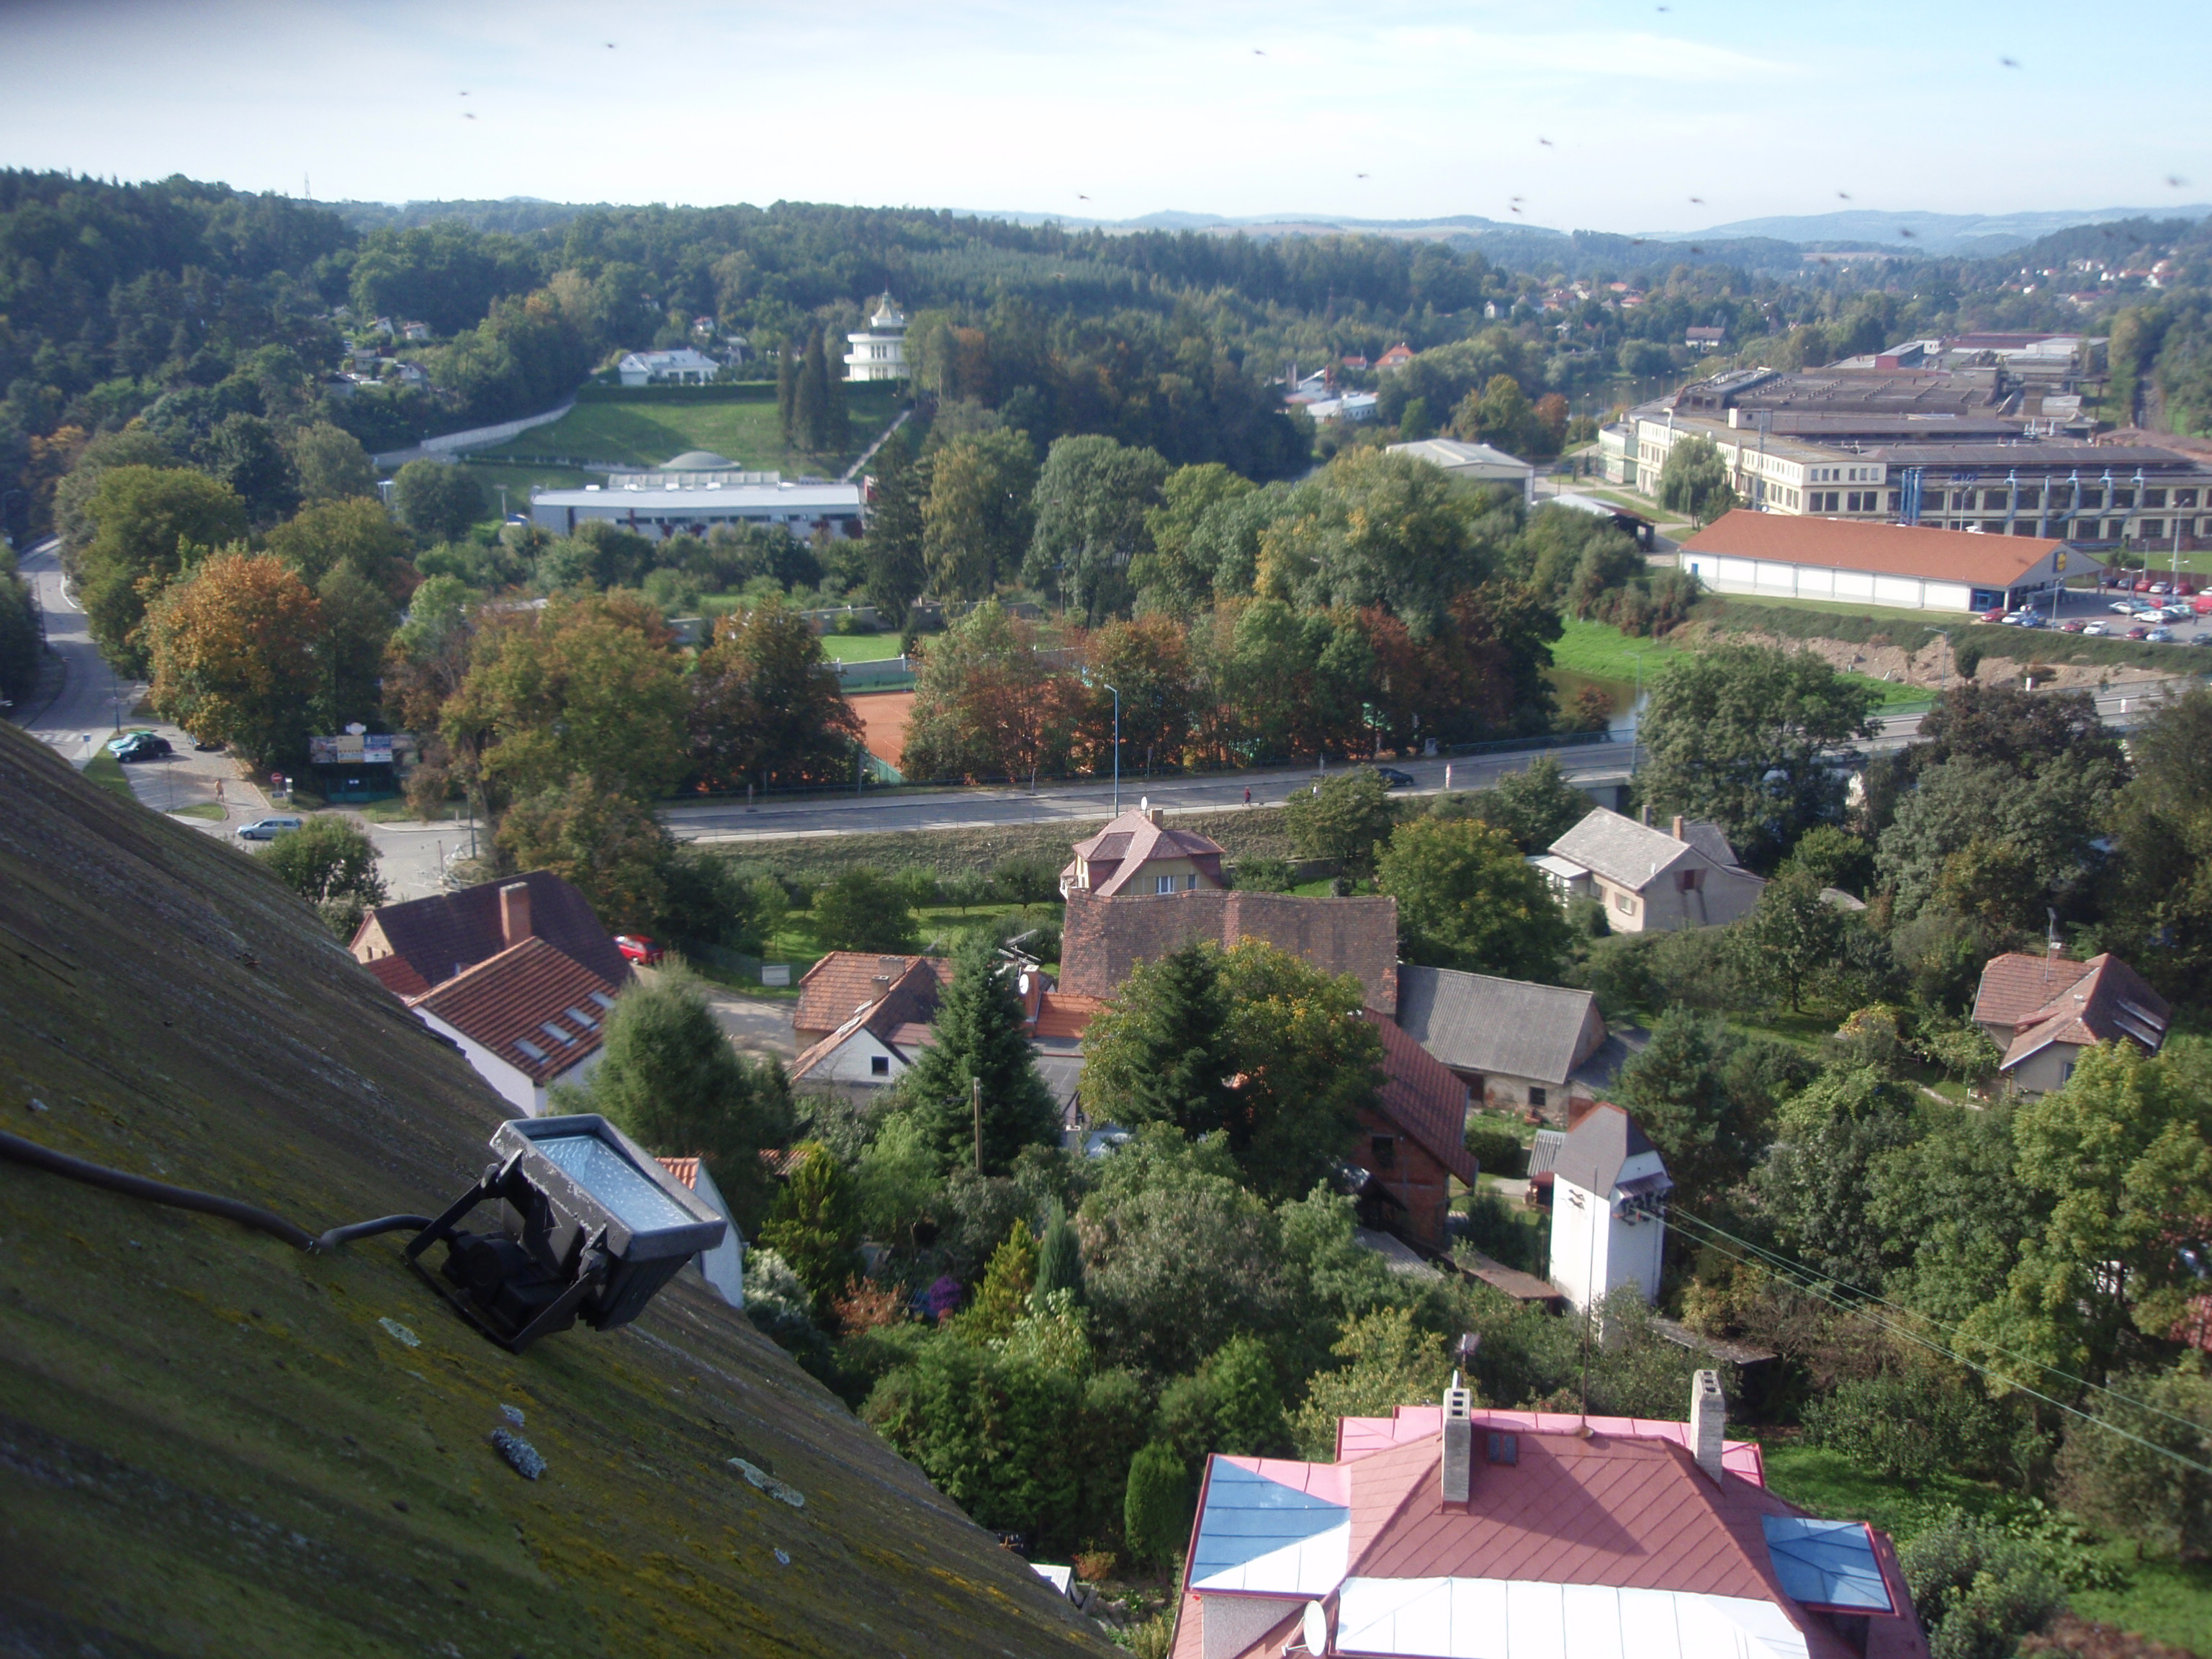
(444,935)
(1892,550)
(398,976)
(898,1017)
(1422,1096)
(1119,852)
(512,1000)
(685,1170)
(843,982)
(1105,939)
(2050,999)
(1064,1017)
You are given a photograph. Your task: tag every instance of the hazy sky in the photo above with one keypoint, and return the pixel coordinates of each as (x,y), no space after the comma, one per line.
(1758,106)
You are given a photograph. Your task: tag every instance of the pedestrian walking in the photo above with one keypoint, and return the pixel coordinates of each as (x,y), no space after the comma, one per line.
(1247,794)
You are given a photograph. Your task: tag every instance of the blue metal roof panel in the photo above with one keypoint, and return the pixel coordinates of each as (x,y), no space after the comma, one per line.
(1826,1564)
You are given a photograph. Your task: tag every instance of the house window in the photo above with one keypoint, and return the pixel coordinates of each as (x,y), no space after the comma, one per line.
(879,1065)
(1625,902)
(1504,1449)
(2066,1072)
(1536,1098)
(1385,1150)
(1164,884)
(1190,882)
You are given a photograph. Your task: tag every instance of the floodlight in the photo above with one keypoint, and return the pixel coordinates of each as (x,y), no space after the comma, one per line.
(589,1225)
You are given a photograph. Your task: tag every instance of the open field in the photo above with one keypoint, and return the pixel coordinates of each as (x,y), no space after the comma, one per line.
(743,427)
(860,648)
(1604,652)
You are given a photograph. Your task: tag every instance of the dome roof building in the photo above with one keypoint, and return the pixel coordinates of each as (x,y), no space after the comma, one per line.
(879,352)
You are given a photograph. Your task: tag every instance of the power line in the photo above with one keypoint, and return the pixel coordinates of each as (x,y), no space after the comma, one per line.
(1841,1306)
(1787,1262)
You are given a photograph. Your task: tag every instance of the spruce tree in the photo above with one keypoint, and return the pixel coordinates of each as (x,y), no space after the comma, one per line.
(978,1034)
(809,406)
(1164,1053)
(891,554)
(1060,1259)
(838,416)
(786,389)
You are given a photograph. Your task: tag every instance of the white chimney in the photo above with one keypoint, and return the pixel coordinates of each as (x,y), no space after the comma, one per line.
(1708,1421)
(1459,1443)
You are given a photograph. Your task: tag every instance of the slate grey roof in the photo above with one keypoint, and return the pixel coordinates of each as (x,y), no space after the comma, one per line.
(1596,1147)
(1502,1027)
(1622,850)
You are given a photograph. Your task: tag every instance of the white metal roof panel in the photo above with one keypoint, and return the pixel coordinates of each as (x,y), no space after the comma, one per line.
(1502,1619)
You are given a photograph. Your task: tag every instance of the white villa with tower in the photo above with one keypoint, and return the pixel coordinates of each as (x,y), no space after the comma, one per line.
(878,353)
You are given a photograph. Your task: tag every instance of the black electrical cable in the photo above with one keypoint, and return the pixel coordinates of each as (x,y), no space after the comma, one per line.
(183,1198)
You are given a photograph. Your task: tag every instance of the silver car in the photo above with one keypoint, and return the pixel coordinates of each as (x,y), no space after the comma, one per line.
(267,829)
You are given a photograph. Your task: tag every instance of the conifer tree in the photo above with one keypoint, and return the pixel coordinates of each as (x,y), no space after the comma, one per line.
(838,415)
(978,1032)
(810,405)
(1060,1260)
(1009,1281)
(786,389)
(1162,1053)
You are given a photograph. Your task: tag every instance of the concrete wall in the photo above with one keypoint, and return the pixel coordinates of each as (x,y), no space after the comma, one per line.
(1726,573)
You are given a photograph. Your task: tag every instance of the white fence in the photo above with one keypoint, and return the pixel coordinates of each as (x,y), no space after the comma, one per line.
(475,438)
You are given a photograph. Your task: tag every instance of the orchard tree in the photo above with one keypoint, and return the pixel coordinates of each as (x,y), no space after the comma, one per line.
(235,655)
(1468,899)
(1791,934)
(1738,734)
(765,704)
(863,909)
(146,522)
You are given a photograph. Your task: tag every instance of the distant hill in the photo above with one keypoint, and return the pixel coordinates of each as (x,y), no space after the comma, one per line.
(211,1442)
(1937,234)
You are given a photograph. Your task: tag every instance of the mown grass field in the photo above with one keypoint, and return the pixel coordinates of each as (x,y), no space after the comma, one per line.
(860,648)
(643,434)
(1604,652)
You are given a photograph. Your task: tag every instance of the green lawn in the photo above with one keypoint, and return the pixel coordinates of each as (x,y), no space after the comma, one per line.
(198,809)
(2166,1599)
(1604,652)
(940,925)
(860,648)
(106,771)
(644,434)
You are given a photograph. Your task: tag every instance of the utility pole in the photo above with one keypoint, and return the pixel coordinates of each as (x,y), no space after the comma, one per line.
(975,1101)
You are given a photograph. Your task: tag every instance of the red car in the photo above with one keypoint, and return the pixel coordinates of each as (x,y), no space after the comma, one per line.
(2138,633)
(1996,615)
(636,947)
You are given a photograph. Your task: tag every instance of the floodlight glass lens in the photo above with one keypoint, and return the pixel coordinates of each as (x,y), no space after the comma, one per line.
(615,1181)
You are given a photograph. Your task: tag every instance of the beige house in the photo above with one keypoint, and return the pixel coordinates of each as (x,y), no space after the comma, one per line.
(2043,1011)
(1649,880)
(1137,852)
(1516,1044)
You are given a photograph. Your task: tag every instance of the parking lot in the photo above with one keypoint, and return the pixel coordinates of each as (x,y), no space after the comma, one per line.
(2092,611)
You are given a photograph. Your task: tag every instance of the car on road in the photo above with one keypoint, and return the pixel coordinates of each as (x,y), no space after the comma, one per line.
(139,746)
(636,947)
(1393,778)
(2160,635)
(267,829)
(2138,633)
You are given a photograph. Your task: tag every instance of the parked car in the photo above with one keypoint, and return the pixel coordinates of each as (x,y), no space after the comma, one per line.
(2177,613)
(636,947)
(130,740)
(2122,607)
(2097,629)
(1393,778)
(208,746)
(2160,635)
(139,746)
(2075,627)
(2033,620)
(267,829)
(2160,587)
(2138,633)
(1994,614)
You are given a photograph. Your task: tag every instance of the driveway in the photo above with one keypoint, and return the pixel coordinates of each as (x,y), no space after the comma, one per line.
(758,1025)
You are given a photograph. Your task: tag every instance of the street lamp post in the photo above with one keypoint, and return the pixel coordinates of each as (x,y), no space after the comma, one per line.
(1117,747)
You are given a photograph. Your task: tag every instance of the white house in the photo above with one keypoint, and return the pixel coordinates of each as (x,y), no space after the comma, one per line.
(1608,1209)
(723,1267)
(682,367)
(878,351)
(529,1017)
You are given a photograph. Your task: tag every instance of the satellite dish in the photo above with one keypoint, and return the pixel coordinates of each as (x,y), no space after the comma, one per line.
(1315,1630)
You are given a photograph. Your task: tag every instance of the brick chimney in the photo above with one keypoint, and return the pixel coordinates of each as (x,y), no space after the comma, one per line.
(1678,826)
(514,913)
(1458,1472)
(1708,1421)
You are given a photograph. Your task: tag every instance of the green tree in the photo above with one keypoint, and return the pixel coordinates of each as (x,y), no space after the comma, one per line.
(1694,479)
(2144,1481)
(609,846)
(863,909)
(1468,899)
(1346,817)
(891,553)
(2161,906)
(1736,735)
(330,863)
(765,704)
(1378,530)
(1535,806)
(136,445)
(813,1226)
(1232,1404)
(1156,1515)
(1060,1260)
(243,452)
(1008,1287)
(358,620)
(146,522)
(1387,1361)
(437,500)
(986,704)
(1792,935)
(992,1431)
(1700,1106)
(1832,857)
(975,522)
(234,653)
(1311,1062)
(1976,1588)
(1092,502)
(1161,1051)
(21,647)
(1175,574)
(669,1078)
(353,529)
(587,685)
(1816,1184)
(978,1036)
(331,463)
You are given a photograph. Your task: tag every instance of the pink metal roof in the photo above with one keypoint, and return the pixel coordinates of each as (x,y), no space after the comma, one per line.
(1356,1437)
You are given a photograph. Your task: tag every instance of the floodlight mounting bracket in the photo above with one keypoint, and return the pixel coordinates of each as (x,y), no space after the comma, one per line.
(591,1265)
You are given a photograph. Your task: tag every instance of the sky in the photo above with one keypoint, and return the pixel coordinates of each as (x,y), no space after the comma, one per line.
(1622,115)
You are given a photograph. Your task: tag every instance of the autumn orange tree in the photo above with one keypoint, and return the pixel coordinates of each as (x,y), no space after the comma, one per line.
(235,654)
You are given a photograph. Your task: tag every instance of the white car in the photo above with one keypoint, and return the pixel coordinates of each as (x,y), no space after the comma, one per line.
(267,829)
(2122,607)
(2098,628)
